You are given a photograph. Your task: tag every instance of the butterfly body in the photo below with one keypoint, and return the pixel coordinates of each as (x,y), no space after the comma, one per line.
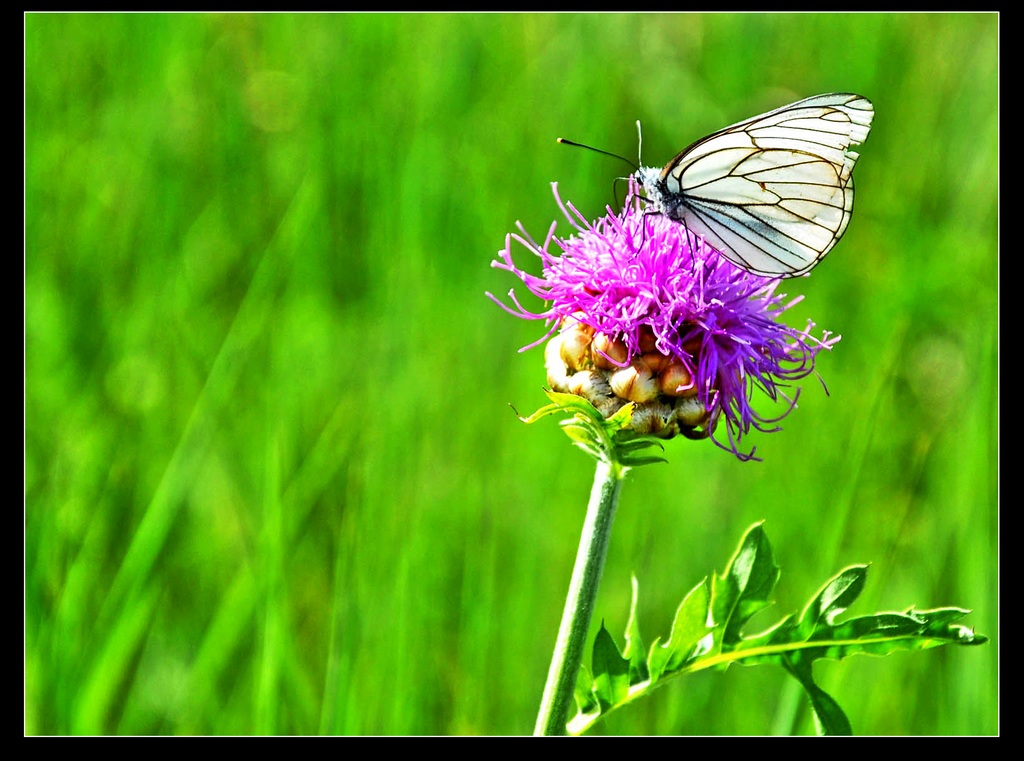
(773,193)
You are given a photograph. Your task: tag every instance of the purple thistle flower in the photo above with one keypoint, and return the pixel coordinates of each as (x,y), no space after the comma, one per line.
(636,297)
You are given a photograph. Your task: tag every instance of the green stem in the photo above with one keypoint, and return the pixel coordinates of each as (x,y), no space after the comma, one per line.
(579,605)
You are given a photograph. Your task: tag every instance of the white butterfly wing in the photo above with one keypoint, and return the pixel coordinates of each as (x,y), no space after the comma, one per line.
(773,193)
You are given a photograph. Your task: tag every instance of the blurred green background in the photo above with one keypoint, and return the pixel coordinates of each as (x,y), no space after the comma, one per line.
(272,480)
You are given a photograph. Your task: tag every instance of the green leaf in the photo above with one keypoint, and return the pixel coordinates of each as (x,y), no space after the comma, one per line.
(634,650)
(830,717)
(636,462)
(611,670)
(689,633)
(586,701)
(746,585)
(609,439)
(834,598)
(628,449)
(708,633)
(622,418)
(577,432)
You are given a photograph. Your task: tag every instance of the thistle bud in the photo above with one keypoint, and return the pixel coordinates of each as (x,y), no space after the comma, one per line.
(609,353)
(575,345)
(635,383)
(675,380)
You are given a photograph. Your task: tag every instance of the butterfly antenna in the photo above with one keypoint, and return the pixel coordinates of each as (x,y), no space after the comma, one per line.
(573,143)
(639,145)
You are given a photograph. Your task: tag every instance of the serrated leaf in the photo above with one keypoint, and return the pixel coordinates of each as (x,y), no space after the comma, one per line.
(586,701)
(611,670)
(830,717)
(689,629)
(707,633)
(634,649)
(745,587)
(835,597)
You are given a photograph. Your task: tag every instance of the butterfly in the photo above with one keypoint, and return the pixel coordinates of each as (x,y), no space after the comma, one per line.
(773,193)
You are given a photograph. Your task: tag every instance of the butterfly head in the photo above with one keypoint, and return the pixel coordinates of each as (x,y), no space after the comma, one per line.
(661,198)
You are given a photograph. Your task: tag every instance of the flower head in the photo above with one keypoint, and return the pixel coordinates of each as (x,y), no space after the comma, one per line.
(639,309)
